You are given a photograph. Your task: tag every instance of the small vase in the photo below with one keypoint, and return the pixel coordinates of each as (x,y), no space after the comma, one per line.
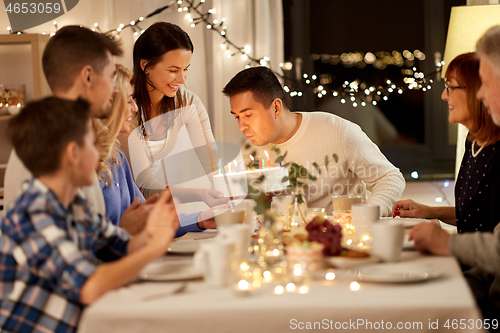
(299,213)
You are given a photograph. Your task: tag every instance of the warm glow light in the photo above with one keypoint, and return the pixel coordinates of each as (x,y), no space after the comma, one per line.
(278,290)
(290,286)
(243,285)
(297,271)
(330,276)
(304,290)
(354,286)
(349,242)
(276,252)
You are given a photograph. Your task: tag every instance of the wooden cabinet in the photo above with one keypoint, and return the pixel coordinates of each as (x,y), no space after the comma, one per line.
(38,86)
(37,43)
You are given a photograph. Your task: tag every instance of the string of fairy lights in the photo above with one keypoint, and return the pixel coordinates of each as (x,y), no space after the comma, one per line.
(356,92)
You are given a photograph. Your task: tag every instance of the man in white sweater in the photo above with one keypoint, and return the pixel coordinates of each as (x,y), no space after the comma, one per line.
(478,250)
(258,104)
(77,62)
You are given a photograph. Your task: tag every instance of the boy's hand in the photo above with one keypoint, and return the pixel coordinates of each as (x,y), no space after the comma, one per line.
(162,223)
(134,218)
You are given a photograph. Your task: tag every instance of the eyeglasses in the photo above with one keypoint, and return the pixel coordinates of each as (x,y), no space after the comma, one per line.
(448,87)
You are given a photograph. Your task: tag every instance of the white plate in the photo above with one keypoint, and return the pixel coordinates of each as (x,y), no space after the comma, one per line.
(347,262)
(169,271)
(399,272)
(407,222)
(186,246)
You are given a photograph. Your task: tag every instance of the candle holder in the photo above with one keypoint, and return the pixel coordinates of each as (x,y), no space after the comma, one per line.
(248,279)
(271,259)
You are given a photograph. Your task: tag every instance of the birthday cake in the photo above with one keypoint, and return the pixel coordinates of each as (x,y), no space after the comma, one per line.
(235,184)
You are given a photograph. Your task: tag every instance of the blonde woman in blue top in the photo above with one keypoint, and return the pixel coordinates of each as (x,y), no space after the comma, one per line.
(119,189)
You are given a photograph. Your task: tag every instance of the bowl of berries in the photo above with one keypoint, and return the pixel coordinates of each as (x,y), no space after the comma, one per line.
(322,231)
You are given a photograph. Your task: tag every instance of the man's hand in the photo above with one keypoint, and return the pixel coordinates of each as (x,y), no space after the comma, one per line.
(410,208)
(162,223)
(212,197)
(430,238)
(134,218)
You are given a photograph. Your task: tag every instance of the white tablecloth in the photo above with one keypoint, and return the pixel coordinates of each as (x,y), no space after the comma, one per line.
(201,308)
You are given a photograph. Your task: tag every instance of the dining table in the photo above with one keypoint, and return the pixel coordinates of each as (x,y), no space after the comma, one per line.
(443,303)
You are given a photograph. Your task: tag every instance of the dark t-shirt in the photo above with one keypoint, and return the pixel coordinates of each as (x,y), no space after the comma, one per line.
(477,189)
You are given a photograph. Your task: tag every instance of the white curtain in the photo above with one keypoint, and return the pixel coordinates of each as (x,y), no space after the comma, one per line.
(257,23)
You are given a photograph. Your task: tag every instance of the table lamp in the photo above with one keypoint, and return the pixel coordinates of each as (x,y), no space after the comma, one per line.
(467,25)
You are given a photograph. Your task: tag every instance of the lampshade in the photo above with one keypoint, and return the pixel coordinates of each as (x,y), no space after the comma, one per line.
(467,25)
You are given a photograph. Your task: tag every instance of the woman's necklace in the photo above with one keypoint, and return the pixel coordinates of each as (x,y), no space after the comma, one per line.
(475,153)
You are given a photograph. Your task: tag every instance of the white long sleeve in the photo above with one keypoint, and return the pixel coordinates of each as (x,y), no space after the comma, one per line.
(359,162)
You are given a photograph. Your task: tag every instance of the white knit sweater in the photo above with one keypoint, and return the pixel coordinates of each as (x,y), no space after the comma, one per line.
(360,164)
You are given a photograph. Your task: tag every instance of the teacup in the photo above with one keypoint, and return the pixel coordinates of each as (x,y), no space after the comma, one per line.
(343,203)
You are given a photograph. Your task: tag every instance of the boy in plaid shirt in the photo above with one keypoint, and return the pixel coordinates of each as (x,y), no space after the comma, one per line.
(56,253)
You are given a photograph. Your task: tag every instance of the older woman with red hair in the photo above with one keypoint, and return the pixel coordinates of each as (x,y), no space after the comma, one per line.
(477,189)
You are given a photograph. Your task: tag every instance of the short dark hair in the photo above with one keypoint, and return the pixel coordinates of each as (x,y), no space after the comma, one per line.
(261,81)
(43,129)
(71,49)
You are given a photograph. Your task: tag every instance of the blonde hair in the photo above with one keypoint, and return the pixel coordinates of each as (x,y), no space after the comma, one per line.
(107,130)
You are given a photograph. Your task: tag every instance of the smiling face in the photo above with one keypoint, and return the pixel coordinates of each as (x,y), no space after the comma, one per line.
(102,88)
(489,93)
(168,74)
(257,122)
(457,103)
(130,109)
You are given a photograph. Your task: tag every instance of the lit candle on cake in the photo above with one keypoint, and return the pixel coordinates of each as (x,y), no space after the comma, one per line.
(268,161)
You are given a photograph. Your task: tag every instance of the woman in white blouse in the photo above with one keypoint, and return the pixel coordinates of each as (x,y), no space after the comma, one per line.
(158,155)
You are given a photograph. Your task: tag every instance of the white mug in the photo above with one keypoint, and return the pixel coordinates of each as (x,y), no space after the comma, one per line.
(251,216)
(230,216)
(214,259)
(387,239)
(240,235)
(343,203)
(363,216)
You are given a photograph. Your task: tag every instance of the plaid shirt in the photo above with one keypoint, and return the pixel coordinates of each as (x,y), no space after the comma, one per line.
(47,252)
